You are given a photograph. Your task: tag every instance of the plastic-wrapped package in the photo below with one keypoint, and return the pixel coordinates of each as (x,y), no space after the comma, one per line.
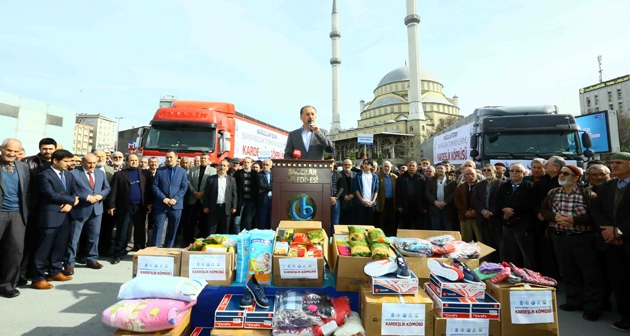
(442,250)
(441,240)
(316,237)
(463,250)
(359,249)
(376,236)
(414,247)
(352,327)
(308,313)
(242,256)
(260,251)
(489,267)
(380,251)
(356,233)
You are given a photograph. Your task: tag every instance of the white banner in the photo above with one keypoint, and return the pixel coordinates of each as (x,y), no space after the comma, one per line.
(402,319)
(298,268)
(453,146)
(207,267)
(526,163)
(155,266)
(531,307)
(467,327)
(250,138)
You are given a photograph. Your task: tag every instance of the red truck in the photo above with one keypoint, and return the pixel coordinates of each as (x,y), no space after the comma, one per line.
(195,127)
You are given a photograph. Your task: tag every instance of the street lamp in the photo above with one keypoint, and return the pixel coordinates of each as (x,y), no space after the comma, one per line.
(117,131)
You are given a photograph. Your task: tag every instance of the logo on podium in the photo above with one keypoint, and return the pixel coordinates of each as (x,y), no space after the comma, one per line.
(301,207)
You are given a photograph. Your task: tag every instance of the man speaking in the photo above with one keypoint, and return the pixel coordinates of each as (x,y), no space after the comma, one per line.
(309,141)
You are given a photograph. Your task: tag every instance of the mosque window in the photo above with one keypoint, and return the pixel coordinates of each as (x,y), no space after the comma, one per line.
(423,127)
(397,127)
(396,87)
(410,128)
(399,108)
(391,109)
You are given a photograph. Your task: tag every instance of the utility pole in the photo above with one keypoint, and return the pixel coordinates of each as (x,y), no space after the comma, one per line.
(117,131)
(601,71)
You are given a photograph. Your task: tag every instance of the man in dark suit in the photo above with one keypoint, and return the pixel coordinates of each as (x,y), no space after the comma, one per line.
(265,183)
(107,222)
(169,188)
(91,185)
(517,210)
(14,204)
(197,181)
(485,198)
(410,195)
(247,188)
(611,213)
(309,139)
(220,199)
(386,200)
(442,210)
(130,198)
(37,164)
(57,199)
(348,204)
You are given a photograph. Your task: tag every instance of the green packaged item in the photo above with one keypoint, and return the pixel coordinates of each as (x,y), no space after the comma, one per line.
(377,236)
(356,233)
(215,239)
(285,235)
(380,251)
(359,249)
(316,237)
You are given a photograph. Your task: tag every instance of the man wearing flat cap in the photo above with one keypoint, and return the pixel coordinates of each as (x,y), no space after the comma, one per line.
(567,209)
(611,214)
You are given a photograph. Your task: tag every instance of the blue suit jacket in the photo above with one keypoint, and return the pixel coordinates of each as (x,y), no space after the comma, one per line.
(53,195)
(358,185)
(82,188)
(163,187)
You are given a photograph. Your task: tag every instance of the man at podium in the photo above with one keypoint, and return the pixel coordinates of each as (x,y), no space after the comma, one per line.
(308,142)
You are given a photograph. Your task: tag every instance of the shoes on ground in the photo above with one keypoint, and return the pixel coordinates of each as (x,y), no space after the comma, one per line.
(9,294)
(591,316)
(42,284)
(570,307)
(623,325)
(68,271)
(115,260)
(94,265)
(59,277)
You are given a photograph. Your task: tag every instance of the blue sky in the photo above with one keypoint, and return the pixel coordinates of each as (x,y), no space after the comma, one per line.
(271,57)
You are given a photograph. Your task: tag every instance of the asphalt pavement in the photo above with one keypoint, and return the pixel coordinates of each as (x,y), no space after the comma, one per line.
(75,307)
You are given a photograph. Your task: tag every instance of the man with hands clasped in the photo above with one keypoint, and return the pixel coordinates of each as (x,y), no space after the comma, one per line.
(366,191)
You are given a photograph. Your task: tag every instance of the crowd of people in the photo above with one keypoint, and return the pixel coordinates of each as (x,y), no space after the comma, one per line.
(59,210)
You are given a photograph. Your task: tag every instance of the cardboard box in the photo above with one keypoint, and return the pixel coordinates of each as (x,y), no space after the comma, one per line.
(183,328)
(229,314)
(391,284)
(348,271)
(260,318)
(465,308)
(375,316)
(439,325)
(503,291)
(216,268)
(300,268)
(450,289)
(237,332)
(419,265)
(157,261)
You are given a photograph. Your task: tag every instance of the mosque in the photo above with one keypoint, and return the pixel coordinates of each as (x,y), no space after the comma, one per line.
(408,103)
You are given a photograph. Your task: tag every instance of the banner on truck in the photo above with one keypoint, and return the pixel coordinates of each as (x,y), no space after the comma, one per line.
(453,146)
(250,139)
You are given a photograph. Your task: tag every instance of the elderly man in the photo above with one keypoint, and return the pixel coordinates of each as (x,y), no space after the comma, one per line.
(485,199)
(538,170)
(516,208)
(117,161)
(197,161)
(197,180)
(91,185)
(440,195)
(597,174)
(386,200)
(500,169)
(567,209)
(107,222)
(153,165)
(184,162)
(468,164)
(348,209)
(611,214)
(466,206)
(410,198)
(429,172)
(265,181)
(15,200)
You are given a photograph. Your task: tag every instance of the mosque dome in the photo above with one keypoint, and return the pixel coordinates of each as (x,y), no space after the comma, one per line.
(402,74)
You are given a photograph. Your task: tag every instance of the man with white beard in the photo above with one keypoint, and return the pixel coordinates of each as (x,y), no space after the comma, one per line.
(117,161)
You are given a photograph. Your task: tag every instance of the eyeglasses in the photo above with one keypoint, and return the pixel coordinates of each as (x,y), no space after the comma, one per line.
(600,175)
(487,170)
(516,171)
(266,164)
(566,174)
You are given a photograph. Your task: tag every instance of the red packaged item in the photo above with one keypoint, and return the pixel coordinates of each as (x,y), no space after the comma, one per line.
(314,251)
(297,251)
(343,250)
(301,238)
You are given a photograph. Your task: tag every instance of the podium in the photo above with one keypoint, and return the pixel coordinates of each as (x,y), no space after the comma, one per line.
(301,191)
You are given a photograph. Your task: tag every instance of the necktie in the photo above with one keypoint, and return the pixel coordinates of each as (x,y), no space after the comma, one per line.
(621,184)
(91,180)
(172,174)
(63,180)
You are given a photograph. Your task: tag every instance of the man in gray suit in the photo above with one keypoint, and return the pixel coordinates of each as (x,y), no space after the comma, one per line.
(92,187)
(197,181)
(309,141)
(14,200)
(220,199)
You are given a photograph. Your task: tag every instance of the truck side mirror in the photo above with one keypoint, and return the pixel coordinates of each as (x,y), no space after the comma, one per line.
(474,153)
(224,142)
(586,140)
(589,153)
(473,141)
(139,142)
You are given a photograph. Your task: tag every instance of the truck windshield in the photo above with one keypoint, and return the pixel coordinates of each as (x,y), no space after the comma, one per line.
(535,143)
(181,138)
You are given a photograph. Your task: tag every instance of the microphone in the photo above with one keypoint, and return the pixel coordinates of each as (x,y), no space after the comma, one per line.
(310,124)
(297,153)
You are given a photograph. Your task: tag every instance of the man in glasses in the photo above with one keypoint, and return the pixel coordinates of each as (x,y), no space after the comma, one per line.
(485,200)
(567,210)
(516,208)
(597,174)
(265,179)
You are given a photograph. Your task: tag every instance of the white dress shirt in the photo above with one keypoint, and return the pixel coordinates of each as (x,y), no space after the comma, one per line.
(222,186)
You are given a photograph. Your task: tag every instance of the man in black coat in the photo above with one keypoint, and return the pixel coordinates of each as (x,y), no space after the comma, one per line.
(485,200)
(348,203)
(410,197)
(516,207)
(130,199)
(247,188)
(36,164)
(220,199)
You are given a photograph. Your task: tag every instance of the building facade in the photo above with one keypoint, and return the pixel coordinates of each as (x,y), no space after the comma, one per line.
(29,121)
(396,138)
(612,95)
(83,139)
(104,130)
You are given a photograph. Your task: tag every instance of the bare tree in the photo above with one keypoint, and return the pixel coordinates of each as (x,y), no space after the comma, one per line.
(442,125)
(407,148)
(624,132)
